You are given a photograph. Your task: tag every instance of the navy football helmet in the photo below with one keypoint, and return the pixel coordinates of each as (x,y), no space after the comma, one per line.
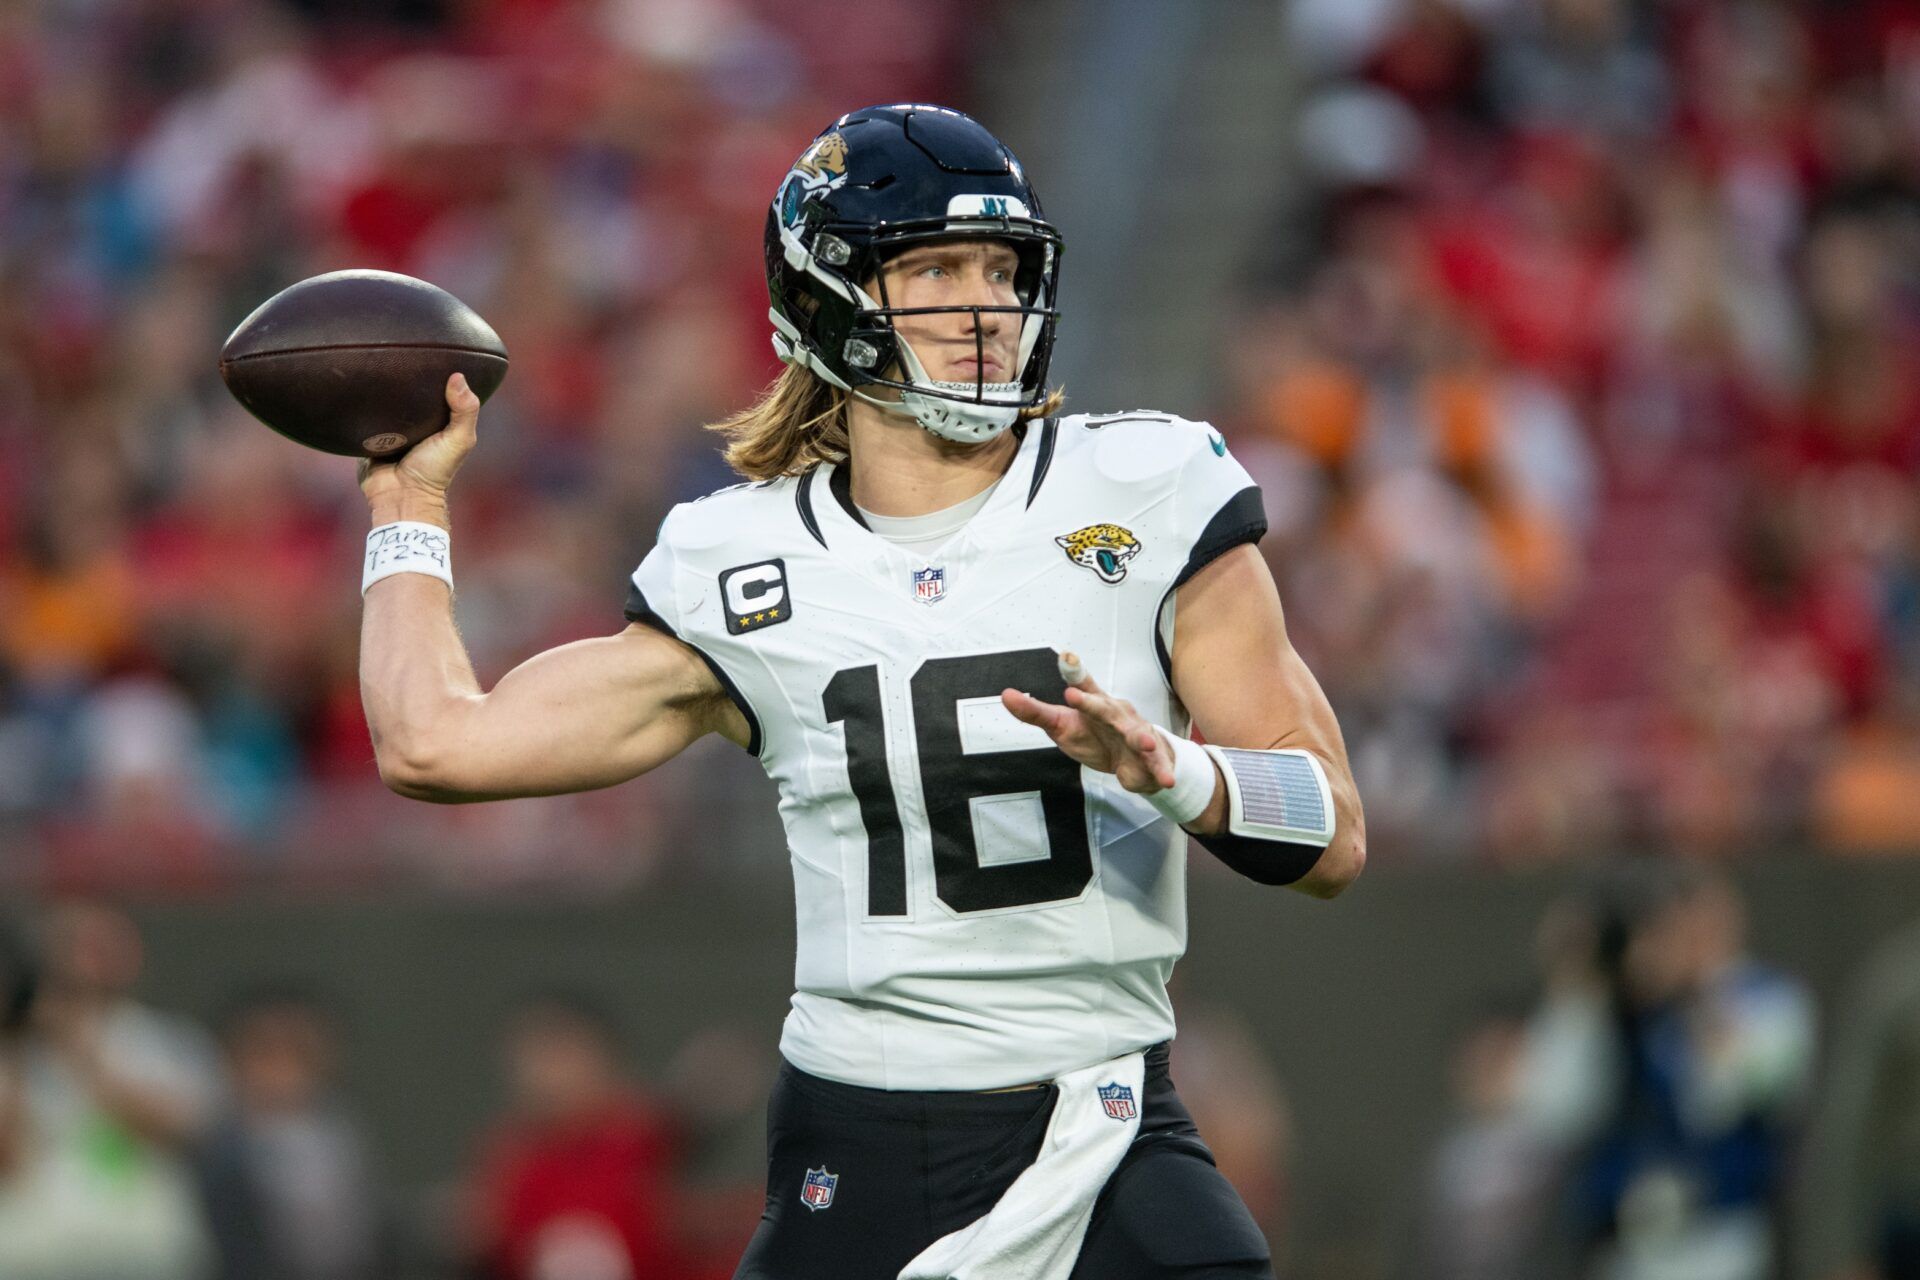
(874,183)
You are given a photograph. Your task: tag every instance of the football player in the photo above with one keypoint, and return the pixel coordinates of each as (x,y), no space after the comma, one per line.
(966,636)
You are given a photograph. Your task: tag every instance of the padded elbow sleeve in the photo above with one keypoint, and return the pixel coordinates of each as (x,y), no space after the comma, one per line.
(1280,815)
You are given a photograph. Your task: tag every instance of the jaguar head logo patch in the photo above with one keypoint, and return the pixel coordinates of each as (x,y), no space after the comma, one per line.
(826,159)
(1103,548)
(823,168)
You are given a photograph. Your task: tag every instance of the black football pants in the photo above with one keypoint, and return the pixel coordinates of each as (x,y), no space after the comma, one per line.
(907,1168)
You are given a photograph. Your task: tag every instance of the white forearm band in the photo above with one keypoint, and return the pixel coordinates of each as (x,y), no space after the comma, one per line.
(1193,780)
(1276,795)
(407,546)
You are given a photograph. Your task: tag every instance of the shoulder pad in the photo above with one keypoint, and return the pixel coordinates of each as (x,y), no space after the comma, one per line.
(1097,421)
(1139,448)
(713,519)
(1169,427)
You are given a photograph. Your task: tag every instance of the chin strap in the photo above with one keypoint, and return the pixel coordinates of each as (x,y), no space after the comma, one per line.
(964,422)
(948,419)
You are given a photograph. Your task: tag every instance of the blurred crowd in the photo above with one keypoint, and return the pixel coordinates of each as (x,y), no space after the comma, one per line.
(1579,375)
(1661,1103)
(136,1145)
(1586,366)
(178,621)
(1638,1117)
(139,1144)
(1650,1102)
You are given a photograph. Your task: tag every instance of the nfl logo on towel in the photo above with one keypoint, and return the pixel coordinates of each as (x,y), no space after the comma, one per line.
(1118,1100)
(929,584)
(817,1193)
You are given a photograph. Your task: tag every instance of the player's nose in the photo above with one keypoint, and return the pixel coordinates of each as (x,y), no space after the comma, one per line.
(981,293)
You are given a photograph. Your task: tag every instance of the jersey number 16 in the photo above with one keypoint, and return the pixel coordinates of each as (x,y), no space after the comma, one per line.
(951,778)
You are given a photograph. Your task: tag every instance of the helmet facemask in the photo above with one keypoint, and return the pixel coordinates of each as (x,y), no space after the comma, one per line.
(969,412)
(876,183)
(873,353)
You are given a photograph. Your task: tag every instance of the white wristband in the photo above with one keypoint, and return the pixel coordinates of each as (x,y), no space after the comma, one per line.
(407,546)
(1193,780)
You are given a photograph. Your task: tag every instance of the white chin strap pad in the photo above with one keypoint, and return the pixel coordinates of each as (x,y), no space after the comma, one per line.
(964,422)
(961,421)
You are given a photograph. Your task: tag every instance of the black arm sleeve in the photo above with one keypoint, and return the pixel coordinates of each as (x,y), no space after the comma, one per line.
(1242,518)
(1267,861)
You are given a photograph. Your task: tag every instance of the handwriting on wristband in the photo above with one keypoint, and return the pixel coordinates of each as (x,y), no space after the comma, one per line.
(398,545)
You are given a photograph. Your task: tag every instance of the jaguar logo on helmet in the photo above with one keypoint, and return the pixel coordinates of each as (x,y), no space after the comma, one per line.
(822,168)
(826,159)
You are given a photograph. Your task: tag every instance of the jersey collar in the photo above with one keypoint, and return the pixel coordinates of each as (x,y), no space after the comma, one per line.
(837,521)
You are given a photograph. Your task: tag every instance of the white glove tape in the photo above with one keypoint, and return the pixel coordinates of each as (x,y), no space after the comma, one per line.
(1193,780)
(407,546)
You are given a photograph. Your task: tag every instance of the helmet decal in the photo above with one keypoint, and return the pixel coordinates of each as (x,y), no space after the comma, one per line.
(826,160)
(970,206)
(823,168)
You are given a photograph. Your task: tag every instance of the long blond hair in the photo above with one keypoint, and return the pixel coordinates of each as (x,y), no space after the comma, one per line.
(800,420)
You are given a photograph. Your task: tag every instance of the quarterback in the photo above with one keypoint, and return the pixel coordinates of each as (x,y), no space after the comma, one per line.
(967,636)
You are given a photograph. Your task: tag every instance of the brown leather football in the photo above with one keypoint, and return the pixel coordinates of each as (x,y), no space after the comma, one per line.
(356,362)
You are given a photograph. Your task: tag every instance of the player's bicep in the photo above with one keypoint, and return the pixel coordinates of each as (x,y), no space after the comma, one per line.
(584,715)
(1235,669)
(1246,686)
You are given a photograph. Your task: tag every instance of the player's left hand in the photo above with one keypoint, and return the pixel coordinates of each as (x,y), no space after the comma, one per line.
(1098,730)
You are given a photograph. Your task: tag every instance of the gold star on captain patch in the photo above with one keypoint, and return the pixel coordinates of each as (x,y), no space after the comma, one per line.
(755,596)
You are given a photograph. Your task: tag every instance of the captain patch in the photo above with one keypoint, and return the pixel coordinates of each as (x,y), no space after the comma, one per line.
(755,596)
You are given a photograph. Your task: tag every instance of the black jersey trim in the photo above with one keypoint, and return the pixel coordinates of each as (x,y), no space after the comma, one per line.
(841,482)
(1049,434)
(803,498)
(641,611)
(1242,518)
(1264,861)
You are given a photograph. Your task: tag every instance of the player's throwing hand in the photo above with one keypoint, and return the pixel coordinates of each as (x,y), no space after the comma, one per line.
(1098,730)
(427,469)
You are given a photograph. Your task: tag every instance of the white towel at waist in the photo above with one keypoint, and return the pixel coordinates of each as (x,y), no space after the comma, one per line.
(1034,1230)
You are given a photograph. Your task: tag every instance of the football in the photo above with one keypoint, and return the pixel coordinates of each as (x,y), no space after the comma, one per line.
(356,362)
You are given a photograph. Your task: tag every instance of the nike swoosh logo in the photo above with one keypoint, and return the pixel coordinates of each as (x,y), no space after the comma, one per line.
(1219,444)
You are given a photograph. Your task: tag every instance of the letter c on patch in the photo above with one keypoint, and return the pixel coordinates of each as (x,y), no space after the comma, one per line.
(755,596)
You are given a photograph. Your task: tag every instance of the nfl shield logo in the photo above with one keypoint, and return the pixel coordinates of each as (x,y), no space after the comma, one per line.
(1117,1098)
(929,584)
(817,1193)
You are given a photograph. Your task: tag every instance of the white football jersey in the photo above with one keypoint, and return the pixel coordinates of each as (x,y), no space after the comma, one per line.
(975,910)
